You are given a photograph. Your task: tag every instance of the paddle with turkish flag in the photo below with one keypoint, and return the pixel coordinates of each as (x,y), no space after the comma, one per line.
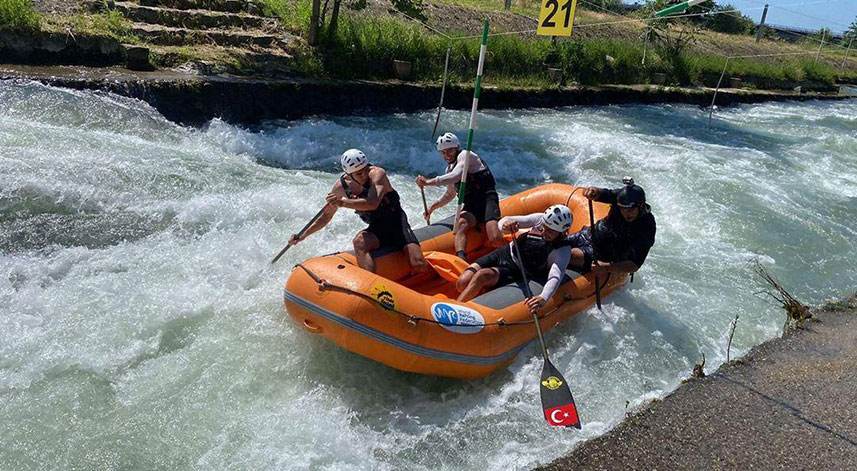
(557,401)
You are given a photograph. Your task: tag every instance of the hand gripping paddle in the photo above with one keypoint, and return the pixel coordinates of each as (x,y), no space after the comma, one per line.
(557,401)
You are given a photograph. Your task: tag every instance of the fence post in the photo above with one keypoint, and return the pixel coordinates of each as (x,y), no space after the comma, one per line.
(761,27)
(823,36)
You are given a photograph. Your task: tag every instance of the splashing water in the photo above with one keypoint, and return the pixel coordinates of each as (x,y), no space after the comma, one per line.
(138,332)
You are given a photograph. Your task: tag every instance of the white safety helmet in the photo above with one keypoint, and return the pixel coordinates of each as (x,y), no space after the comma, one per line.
(447,141)
(353,160)
(558,217)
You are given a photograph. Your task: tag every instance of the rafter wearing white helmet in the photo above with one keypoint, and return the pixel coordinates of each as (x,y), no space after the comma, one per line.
(447,140)
(353,160)
(558,217)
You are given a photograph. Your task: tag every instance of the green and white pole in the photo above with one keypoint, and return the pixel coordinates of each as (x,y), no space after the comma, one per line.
(469,147)
(677,8)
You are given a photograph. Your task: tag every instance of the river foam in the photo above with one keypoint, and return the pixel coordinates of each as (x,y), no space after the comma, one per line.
(140,328)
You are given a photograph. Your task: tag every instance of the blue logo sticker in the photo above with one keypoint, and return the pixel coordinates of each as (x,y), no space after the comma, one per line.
(459,319)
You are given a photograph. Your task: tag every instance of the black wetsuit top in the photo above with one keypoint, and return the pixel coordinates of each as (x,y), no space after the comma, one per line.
(389,209)
(617,240)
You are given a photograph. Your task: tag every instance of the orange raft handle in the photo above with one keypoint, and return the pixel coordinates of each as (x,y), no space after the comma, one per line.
(325,285)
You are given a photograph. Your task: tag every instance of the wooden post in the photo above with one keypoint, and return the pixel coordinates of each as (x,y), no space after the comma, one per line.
(823,36)
(761,27)
(846,54)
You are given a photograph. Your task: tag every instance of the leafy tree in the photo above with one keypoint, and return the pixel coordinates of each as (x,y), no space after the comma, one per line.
(851,32)
(732,22)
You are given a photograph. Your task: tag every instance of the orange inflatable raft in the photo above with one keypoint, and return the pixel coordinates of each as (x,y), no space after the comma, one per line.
(413,322)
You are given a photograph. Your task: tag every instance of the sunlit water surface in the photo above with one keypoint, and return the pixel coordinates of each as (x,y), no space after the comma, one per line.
(137,330)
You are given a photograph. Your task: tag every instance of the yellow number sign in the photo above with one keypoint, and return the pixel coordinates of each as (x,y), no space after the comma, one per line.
(556,17)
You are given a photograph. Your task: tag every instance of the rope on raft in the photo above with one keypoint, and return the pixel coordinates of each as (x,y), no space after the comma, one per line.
(414,320)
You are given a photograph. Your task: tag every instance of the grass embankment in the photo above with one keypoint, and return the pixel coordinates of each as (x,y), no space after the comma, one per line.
(19,15)
(365,44)
(364,47)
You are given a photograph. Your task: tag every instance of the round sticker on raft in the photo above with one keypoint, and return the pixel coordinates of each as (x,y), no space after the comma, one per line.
(384,296)
(458,319)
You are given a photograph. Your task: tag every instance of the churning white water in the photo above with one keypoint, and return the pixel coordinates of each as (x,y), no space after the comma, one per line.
(139,329)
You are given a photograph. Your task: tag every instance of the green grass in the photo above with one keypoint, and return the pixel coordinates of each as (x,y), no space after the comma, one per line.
(19,15)
(109,23)
(365,46)
(293,15)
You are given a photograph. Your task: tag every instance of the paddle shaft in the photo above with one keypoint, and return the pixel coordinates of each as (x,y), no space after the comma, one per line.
(520,263)
(425,206)
(594,255)
(300,234)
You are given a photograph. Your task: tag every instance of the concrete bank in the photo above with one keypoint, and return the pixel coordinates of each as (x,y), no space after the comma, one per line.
(191,99)
(788,404)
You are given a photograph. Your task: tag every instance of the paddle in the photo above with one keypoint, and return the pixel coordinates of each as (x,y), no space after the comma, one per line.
(594,255)
(557,401)
(425,206)
(300,234)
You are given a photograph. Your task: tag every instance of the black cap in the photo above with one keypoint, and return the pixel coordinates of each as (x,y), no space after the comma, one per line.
(631,195)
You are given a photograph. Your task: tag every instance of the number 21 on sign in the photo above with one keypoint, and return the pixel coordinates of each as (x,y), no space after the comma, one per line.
(556,17)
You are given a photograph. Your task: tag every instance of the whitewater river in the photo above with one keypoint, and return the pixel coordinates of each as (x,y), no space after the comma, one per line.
(137,331)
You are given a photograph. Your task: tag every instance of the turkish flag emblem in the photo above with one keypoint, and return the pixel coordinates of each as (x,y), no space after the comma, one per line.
(565,416)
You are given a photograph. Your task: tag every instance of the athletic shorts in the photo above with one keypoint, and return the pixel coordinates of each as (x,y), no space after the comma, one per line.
(501,260)
(582,240)
(393,232)
(483,206)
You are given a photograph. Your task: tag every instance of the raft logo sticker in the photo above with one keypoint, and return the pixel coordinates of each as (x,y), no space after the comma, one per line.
(553,383)
(458,319)
(384,296)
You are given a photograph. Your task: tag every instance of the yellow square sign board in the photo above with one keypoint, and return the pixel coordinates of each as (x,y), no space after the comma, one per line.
(556,17)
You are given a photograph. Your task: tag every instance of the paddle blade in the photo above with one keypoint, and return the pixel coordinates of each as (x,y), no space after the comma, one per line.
(557,402)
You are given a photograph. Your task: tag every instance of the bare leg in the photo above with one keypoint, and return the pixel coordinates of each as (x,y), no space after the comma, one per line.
(465,277)
(416,259)
(364,243)
(465,222)
(484,278)
(495,237)
(578,259)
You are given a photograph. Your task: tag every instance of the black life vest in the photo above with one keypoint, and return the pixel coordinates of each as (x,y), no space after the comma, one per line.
(535,249)
(389,208)
(614,237)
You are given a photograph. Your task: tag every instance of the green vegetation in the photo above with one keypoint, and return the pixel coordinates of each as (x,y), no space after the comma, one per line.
(364,44)
(293,16)
(105,23)
(18,15)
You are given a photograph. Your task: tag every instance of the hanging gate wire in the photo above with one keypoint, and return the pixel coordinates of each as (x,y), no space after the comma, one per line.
(442,92)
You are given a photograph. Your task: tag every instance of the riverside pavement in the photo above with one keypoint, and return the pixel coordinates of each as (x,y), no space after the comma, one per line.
(787,404)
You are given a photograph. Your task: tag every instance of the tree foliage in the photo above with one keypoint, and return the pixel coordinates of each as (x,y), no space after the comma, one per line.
(851,32)
(709,15)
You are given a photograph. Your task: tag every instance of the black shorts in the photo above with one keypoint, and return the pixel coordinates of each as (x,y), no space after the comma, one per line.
(393,231)
(582,240)
(501,260)
(483,206)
